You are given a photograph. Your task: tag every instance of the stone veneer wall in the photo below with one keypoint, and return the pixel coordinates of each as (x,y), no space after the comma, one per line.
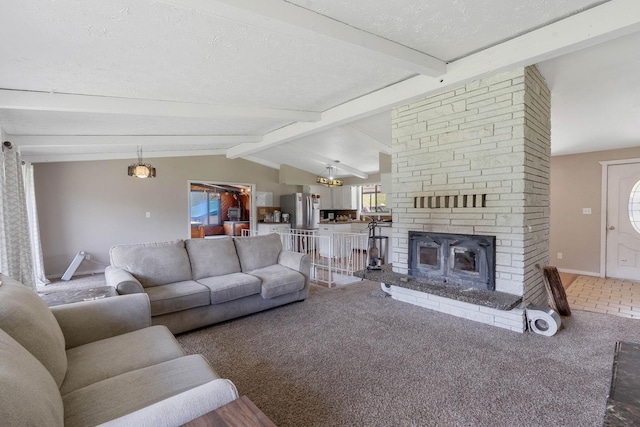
(489,138)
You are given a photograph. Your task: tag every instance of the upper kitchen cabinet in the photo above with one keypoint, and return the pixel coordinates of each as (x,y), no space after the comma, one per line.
(345,197)
(335,198)
(325,195)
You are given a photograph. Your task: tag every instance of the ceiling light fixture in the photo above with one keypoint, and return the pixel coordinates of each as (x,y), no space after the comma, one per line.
(141,169)
(330,180)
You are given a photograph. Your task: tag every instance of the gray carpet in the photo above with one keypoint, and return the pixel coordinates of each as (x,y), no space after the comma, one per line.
(351,357)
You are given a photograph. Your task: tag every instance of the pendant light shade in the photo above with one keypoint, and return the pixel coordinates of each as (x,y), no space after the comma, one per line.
(141,169)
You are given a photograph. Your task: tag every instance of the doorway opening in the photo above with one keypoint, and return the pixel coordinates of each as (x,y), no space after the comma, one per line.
(220,209)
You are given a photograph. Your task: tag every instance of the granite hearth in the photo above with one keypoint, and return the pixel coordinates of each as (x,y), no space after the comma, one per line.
(490,307)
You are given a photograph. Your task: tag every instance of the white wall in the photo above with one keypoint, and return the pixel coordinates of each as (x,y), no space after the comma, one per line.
(576,183)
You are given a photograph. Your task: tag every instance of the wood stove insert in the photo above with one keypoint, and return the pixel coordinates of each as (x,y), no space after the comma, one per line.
(462,259)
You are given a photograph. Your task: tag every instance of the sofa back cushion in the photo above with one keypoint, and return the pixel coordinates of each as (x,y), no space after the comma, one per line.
(153,264)
(28,320)
(212,257)
(30,395)
(258,251)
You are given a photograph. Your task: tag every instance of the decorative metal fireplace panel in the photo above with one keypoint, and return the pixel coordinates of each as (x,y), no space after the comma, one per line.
(463,259)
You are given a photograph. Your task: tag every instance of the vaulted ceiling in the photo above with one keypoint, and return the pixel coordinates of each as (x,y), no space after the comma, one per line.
(299,82)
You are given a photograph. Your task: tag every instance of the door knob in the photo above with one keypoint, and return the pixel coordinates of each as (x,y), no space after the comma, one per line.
(612,228)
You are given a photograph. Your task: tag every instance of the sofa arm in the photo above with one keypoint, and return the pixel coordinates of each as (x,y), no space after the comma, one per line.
(87,321)
(296,261)
(181,408)
(123,281)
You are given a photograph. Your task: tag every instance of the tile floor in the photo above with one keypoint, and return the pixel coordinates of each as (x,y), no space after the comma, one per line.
(608,296)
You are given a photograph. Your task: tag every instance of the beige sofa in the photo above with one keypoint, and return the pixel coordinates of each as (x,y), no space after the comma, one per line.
(198,282)
(97,363)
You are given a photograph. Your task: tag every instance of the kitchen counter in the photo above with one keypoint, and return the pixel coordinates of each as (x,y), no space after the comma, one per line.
(378,223)
(234,228)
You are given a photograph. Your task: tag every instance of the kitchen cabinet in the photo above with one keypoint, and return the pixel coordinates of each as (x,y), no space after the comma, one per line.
(344,198)
(329,246)
(360,227)
(234,228)
(337,197)
(272,227)
(326,229)
(323,192)
(264,198)
(325,197)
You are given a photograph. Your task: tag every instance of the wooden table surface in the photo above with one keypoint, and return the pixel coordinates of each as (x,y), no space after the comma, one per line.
(240,413)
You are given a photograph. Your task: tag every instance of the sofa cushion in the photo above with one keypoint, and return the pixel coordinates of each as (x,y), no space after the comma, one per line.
(278,280)
(177,296)
(258,251)
(30,395)
(109,357)
(28,320)
(212,257)
(231,286)
(153,264)
(123,394)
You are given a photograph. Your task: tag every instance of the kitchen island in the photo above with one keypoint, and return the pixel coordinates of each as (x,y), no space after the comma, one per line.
(234,228)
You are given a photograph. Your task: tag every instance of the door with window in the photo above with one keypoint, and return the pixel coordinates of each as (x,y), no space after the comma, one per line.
(623,221)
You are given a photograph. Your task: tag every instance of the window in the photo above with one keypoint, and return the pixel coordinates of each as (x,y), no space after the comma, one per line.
(634,207)
(205,205)
(373,200)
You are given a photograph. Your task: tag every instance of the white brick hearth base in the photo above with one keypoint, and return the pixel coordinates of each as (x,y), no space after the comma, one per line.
(514,319)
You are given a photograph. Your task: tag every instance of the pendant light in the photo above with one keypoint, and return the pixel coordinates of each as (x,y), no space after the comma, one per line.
(329,180)
(141,169)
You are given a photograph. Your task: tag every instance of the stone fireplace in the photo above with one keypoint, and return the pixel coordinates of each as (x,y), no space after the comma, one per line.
(474,161)
(462,259)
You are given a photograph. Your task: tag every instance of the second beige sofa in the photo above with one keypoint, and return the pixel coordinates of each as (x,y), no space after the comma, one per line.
(198,282)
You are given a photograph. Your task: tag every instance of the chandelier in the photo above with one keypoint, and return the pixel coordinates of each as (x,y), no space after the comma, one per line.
(329,180)
(141,169)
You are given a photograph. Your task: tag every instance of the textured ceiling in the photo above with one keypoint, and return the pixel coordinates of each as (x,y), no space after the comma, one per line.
(299,82)
(151,50)
(450,29)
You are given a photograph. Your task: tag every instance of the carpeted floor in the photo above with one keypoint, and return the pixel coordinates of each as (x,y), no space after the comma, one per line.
(350,356)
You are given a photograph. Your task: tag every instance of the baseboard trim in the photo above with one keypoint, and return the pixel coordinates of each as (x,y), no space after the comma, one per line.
(581,273)
(77,273)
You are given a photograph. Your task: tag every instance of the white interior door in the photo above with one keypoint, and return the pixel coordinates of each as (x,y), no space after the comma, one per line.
(623,221)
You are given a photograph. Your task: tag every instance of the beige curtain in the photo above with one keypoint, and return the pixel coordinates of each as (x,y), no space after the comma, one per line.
(15,242)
